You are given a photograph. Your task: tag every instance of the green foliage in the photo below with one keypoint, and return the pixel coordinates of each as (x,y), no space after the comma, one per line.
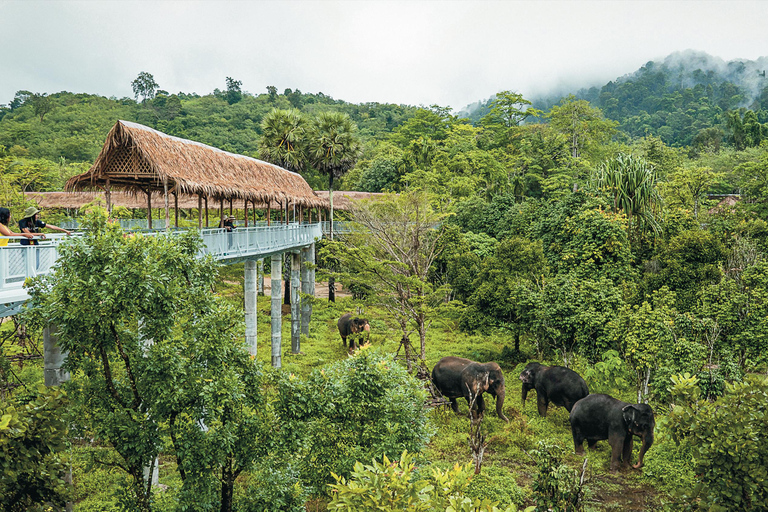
(727,440)
(607,376)
(33,432)
(556,487)
(271,489)
(392,486)
(360,408)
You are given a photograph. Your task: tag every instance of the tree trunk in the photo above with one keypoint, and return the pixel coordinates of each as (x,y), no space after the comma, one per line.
(227,486)
(331,279)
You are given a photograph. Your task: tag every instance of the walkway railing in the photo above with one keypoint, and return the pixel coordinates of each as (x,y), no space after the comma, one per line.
(19,262)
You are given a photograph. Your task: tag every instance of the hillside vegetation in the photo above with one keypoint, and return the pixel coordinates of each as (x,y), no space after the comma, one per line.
(561,233)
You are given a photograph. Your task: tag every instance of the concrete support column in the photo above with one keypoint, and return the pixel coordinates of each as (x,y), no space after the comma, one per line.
(277,313)
(260,272)
(307,286)
(53,359)
(295,303)
(250,305)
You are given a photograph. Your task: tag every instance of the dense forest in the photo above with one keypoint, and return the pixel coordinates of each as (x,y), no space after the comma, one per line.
(619,231)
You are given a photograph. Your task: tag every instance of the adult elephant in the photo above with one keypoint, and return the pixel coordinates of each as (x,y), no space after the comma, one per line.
(556,384)
(349,326)
(455,377)
(598,417)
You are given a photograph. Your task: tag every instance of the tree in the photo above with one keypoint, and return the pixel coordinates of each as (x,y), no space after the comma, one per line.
(630,183)
(144,86)
(272,91)
(690,184)
(335,148)
(42,104)
(509,109)
(392,247)
(154,352)
(284,139)
(233,94)
(583,124)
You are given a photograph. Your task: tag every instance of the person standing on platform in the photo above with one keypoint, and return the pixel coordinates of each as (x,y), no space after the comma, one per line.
(5,219)
(32,225)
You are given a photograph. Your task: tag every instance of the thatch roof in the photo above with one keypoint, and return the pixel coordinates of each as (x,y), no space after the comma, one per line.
(80,199)
(342,198)
(136,158)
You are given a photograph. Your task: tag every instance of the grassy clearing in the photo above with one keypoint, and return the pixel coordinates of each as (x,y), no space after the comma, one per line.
(508,468)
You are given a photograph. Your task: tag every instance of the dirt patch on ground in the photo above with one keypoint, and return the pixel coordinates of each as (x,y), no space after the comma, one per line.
(321,289)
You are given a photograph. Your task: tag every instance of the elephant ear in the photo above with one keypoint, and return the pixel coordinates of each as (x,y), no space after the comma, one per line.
(629,411)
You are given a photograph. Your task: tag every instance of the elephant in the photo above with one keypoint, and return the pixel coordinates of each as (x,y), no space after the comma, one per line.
(348,326)
(557,384)
(455,377)
(601,416)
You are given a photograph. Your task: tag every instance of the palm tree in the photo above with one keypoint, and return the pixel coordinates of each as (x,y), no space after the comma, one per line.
(284,139)
(630,182)
(335,150)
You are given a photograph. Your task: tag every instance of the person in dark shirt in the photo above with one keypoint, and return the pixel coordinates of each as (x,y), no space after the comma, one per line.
(31,224)
(229,224)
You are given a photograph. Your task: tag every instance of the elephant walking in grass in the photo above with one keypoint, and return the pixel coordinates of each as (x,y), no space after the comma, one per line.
(553,384)
(599,417)
(457,377)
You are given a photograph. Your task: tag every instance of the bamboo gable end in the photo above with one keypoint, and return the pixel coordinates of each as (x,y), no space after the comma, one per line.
(138,159)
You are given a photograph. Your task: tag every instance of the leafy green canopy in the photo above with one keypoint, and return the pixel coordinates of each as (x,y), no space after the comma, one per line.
(153,353)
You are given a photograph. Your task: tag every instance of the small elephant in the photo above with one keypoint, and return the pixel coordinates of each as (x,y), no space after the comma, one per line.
(557,384)
(455,377)
(348,326)
(598,417)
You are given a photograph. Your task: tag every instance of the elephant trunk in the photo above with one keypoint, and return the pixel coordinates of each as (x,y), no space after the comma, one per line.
(500,394)
(647,443)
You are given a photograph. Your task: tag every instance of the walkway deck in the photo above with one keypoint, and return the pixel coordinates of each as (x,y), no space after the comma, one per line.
(17,263)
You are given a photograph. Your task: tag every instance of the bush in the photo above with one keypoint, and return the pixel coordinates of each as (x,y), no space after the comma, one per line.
(363,407)
(556,486)
(392,486)
(495,484)
(728,440)
(32,436)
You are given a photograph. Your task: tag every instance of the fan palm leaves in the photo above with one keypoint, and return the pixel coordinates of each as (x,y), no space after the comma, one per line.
(336,146)
(630,182)
(284,139)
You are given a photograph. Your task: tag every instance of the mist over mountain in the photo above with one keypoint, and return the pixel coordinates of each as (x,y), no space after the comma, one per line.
(673,98)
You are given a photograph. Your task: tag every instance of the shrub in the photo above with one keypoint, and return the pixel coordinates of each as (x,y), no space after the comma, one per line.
(32,435)
(392,486)
(556,486)
(728,440)
(360,408)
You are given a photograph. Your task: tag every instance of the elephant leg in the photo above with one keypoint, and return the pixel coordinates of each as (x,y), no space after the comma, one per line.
(480,405)
(344,341)
(617,444)
(578,441)
(454,406)
(525,395)
(543,403)
(626,453)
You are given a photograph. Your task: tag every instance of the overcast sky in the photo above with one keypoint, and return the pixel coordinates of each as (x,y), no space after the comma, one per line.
(429,52)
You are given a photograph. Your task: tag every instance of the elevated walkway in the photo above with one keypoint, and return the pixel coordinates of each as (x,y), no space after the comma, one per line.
(17,262)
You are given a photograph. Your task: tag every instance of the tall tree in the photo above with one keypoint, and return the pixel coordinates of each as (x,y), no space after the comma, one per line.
(509,109)
(144,86)
(42,104)
(392,247)
(284,139)
(335,150)
(233,94)
(583,124)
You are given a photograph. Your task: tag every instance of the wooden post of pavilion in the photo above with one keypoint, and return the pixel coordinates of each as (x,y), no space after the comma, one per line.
(149,207)
(206,211)
(199,211)
(269,213)
(108,196)
(167,210)
(246,213)
(230,206)
(221,212)
(176,207)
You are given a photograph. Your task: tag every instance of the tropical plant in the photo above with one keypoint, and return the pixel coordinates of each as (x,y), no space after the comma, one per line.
(284,139)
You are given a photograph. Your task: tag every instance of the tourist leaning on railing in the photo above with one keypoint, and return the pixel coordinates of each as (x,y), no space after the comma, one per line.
(5,219)
(31,224)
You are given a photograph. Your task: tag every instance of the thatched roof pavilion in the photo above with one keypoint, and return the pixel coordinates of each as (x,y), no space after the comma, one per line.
(138,159)
(342,199)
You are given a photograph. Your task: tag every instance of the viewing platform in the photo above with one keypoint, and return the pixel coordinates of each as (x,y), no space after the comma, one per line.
(18,262)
